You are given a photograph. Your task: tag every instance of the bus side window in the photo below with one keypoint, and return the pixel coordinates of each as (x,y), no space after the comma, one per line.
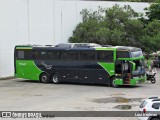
(43,55)
(50,55)
(105,56)
(28,54)
(36,55)
(123,54)
(88,55)
(54,55)
(40,55)
(24,55)
(70,55)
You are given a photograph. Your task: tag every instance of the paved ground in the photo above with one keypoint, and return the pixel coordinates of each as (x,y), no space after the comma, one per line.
(23,95)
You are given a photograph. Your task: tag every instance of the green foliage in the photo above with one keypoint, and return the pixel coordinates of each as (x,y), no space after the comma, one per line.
(151,32)
(151,43)
(118,26)
(151,38)
(152,28)
(115,26)
(153,11)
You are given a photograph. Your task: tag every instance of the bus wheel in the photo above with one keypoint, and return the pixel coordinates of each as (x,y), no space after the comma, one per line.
(44,78)
(113,84)
(55,78)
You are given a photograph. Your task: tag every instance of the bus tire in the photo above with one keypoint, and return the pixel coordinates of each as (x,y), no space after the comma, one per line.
(112,83)
(55,78)
(44,78)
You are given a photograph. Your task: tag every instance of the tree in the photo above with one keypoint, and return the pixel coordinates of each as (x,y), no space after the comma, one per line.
(151,36)
(114,26)
(153,11)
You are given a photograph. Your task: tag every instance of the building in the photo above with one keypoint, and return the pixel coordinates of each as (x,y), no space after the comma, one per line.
(41,22)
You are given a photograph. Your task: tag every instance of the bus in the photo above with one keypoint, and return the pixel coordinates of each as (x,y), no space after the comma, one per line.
(80,62)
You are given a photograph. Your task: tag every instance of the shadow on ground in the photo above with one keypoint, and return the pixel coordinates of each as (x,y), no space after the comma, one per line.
(80,84)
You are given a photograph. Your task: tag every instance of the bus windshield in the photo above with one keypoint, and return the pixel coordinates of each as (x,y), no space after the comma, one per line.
(136,54)
(139,63)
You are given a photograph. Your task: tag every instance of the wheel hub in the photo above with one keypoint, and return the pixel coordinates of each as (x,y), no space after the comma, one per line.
(44,78)
(55,79)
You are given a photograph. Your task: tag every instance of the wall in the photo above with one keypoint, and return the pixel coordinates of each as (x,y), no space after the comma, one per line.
(41,22)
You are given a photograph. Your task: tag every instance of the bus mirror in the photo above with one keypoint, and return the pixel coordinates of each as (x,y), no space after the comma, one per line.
(133,65)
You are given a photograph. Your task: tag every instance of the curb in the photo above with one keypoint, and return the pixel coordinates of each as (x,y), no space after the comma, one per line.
(7,78)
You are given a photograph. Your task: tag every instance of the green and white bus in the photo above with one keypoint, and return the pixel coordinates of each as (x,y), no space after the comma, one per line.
(80,62)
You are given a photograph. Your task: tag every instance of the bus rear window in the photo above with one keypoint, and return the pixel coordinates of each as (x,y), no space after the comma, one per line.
(24,55)
(20,54)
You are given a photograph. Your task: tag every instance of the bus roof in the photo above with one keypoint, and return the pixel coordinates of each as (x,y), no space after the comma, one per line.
(88,46)
(126,48)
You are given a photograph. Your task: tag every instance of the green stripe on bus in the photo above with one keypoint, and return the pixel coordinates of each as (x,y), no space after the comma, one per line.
(24,48)
(136,58)
(27,69)
(109,67)
(105,48)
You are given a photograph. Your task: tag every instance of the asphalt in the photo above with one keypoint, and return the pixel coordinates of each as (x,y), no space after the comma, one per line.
(27,95)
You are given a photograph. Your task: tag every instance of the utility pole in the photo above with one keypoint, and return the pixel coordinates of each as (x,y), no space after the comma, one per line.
(28,21)
(54,22)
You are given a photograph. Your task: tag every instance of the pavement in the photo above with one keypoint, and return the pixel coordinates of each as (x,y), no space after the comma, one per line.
(27,95)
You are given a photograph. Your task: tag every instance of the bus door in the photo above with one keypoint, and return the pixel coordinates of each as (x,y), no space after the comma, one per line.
(118,69)
(123,70)
(126,69)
